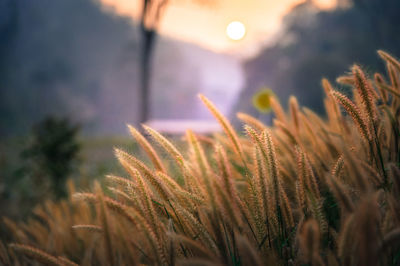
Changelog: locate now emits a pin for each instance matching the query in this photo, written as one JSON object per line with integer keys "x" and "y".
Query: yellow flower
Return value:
{"x": 262, "y": 100}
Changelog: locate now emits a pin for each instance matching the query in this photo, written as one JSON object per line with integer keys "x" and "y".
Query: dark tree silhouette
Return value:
{"x": 152, "y": 11}
{"x": 53, "y": 152}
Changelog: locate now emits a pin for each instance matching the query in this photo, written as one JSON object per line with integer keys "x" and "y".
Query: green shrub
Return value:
{"x": 52, "y": 153}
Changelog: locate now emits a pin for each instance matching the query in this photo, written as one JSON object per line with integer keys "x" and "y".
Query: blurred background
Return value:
{"x": 73, "y": 73}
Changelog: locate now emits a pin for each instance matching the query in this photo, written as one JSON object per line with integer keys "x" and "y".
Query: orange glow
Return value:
{"x": 206, "y": 25}
{"x": 325, "y": 4}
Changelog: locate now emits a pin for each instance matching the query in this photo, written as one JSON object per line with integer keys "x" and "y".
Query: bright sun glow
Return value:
{"x": 326, "y": 4}
{"x": 236, "y": 30}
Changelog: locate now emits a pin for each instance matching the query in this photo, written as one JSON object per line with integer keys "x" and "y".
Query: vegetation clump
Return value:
{"x": 306, "y": 191}
{"x": 52, "y": 153}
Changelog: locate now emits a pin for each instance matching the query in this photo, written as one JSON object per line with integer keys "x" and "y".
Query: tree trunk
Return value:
{"x": 148, "y": 38}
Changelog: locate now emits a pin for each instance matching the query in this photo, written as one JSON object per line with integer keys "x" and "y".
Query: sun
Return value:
{"x": 235, "y": 30}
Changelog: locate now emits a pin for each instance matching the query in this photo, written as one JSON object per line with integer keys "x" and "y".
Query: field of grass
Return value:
{"x": 306, "y": 191}
{"x": 96, "y": 159}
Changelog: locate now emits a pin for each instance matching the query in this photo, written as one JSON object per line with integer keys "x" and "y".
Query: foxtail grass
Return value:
{"x": 308, "y": 190}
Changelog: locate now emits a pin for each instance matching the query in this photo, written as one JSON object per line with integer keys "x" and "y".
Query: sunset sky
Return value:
{"x": 206, "y": 25}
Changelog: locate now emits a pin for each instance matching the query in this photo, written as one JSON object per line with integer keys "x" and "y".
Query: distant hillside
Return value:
{"x": 74, "y": 58}
{"x": 319, "y": 44}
